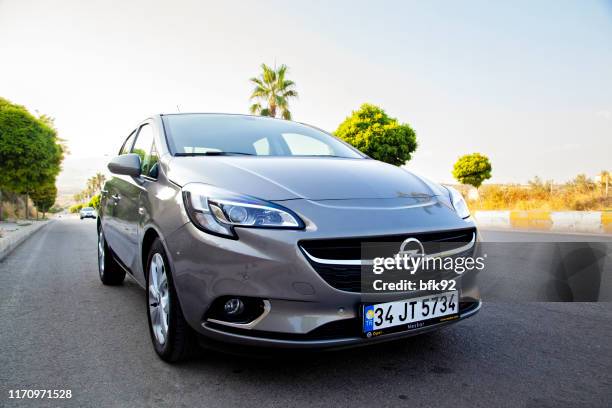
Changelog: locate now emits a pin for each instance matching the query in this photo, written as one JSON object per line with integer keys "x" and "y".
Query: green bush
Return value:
{"x": 75, "y": 208}
{"x": 381, "y": 137}
{"x": 94, "y": 202}
{"x": 30, "y": 151}
{"x": 472, "y": 169}
{"x": 44, "y": 197}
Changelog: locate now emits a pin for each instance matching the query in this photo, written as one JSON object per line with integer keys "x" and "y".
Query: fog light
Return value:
{"x": 233, "y": 307}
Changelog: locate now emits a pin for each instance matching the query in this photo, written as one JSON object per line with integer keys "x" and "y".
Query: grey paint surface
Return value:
{"x": 127, "y": 164}
{"x": 284, "y": 178}
{"x": 61, "y": 328}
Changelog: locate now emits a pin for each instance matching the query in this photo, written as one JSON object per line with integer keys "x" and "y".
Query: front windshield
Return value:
{"x": 212, "y": 134}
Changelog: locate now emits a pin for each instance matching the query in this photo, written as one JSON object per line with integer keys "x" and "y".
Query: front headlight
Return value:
{"x": 218, "y": 211}
{"x": 458, "y": 202}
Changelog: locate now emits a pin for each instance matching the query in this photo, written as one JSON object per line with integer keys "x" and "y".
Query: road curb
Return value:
{"x": 10, "y": 242}
{"x": 560, "y": 221}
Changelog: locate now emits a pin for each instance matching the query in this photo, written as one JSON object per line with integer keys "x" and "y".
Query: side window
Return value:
{"x": 153, "y": 163}
{"x": 143, "y": 146}
{"x": 262, "y": 147}
{"x": 302, "y": 145}
{"x": 127, "y": 145}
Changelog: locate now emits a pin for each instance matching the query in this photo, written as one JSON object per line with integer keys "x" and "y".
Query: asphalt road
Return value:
{"x": 61, "y": 329}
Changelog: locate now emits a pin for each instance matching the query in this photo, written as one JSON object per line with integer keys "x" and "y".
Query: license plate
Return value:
{"x": 410, "y": 313}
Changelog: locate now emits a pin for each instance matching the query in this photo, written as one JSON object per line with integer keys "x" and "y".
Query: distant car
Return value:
{"x": 87, "y": 212}
{"x": 248, "y": 231}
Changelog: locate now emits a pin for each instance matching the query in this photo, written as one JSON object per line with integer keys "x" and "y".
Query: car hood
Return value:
{"x": 313, "y": 178}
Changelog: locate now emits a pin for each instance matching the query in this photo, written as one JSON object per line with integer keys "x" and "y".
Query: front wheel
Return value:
{"x": 109, "y": 270}
{"x": 171, "y": 335}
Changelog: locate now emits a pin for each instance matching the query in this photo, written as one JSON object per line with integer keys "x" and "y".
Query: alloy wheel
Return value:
{"x": 159, "y": 298}
{"x": 101, "y": 252}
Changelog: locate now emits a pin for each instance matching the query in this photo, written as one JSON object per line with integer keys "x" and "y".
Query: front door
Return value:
{"x": 112, "y": 209}
{"x": 128, "y": 190}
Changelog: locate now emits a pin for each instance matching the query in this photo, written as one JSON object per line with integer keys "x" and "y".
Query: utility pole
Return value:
{"x": 604, "y": 179}
{"x": 551, "y": 186}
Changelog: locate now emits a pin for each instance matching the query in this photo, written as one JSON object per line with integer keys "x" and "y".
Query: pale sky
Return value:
{"x": 527, "y": 83}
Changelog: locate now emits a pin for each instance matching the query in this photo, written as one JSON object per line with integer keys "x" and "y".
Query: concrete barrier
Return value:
{"x": 13, "y": 239}
{"x": 580, "y": 221}
{"x": 606, "y": 220}
{"x": 562, "y": 221}
{"x": 496, "y": 219}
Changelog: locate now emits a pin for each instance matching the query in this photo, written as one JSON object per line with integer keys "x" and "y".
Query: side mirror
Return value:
{"x": 126, "y": 164}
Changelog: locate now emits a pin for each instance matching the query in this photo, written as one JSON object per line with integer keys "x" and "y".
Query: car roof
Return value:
{"x": 224, "y": 114}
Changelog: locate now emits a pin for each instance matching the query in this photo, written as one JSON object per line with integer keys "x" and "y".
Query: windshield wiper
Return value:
{"x": 214, "y": 154}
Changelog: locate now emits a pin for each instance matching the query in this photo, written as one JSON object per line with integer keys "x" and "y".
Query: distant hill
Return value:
{"x": 74, "y": 175}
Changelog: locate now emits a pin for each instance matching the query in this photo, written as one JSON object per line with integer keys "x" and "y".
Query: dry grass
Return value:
{"x": 13, "y": 207}
{"x": 542, "y": 196}
{"x": 9, "y": 210}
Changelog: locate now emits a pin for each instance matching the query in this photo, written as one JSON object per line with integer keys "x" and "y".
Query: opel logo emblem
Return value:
{"x": 411, "y": 247}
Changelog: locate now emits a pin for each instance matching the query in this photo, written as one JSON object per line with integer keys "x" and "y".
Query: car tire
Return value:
{"x": 173, "y": 339}
{"x": 110, "y": 272}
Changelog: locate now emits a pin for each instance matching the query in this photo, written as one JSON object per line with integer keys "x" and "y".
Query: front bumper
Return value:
{"x": 305, "y": 310}
{"x": 348, "y": 338}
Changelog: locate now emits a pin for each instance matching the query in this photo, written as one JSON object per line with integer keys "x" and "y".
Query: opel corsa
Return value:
{"x": 247, "y": 231}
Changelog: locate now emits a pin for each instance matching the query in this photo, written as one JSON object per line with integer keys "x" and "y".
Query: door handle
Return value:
{"x": 116, "y": 197}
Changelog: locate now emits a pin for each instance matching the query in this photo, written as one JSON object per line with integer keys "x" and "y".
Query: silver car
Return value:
{"x": 248, "y": 231}
{"x": 87, "y": 212}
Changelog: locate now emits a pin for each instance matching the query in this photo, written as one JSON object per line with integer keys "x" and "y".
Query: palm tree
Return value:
{"x": 100, "y": 179}
{"x": 274, "y": 91}
{"x": 90, "y": 187}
